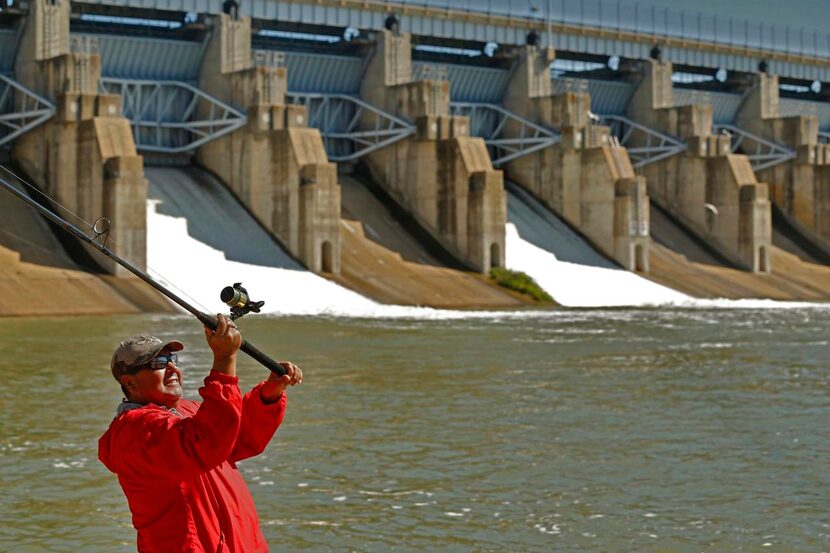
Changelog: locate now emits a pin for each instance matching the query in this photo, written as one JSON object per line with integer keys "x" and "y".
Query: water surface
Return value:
{"x": 603, "y": 430}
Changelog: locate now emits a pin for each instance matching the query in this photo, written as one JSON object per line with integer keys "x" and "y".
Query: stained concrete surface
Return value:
{"x": 680, "y": 261}
{"x": 38, "y": 277}
{"x": 384, "y": 261}
{"x": 667, "y": 232}
{"x": 792, "y": 279}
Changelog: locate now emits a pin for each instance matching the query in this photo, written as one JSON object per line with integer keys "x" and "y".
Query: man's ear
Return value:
{"x": 128, "y": 383}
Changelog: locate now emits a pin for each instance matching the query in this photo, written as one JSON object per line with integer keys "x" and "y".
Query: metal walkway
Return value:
{"x": 589, "y": 26}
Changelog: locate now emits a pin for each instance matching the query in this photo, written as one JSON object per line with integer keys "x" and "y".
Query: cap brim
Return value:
{"x": 173, "y": 345}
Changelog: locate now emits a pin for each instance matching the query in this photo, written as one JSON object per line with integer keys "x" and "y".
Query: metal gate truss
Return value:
{"x": 21, "y": 110}
{"x": 762, "y": 153}
{"x": 644, "y": 145}
{"x": 507, "y": 135}
{"x": 172, "y": 116}
{"x": 350, "y": 127}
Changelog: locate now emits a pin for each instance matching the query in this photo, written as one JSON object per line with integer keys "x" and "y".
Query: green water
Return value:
{"x": 671, "y": 430}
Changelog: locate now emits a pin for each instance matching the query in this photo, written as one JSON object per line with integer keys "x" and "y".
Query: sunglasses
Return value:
{"x": 158, "y": 362}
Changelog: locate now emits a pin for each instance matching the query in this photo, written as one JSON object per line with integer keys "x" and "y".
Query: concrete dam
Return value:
{"x": 397, "y": 162}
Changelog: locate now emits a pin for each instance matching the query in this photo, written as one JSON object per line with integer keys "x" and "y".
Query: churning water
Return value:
{"x": 598, "y": 430}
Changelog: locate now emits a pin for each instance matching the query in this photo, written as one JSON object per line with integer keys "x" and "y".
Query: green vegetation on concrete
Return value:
{"x": 519, "y": 282}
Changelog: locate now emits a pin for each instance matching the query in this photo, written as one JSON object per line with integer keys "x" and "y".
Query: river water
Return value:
{"x": 593, "y": 430}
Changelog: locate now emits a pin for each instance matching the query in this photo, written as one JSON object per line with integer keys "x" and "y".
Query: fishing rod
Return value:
{"x": 235, "y": 296}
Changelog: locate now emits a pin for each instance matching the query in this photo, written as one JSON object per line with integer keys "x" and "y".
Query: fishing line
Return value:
{"x": 45, "y": 196}
{"x": 206, "y": 319}
{"x": 106, "y": 233}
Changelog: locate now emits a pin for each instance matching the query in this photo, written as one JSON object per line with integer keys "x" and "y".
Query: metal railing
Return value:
{"x": 350, "y": 127}
{"x": 644, "y": 145}
{"x": 762, "y": 153}
{"x": 648, "y": 19}
{"x": 21, "y": 110}
{"x": 172, "y": 116}
{"x": 507, "y": 135}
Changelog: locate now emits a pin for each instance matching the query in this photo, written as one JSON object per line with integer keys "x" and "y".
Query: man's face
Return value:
{"x": 160, "y": 386}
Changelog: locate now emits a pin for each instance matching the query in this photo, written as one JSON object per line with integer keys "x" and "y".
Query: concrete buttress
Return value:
{"x": 799, "y": 186}
{"x": 276, "y": 165}
{"x": 709, "y": 189}
{"x": 585, "y": 177}
{"x": 442, "y": 176}
{"x": 85, "y": 157}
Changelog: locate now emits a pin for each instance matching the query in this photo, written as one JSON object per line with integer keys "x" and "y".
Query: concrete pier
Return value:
{"x": 442, "y": 176}
{"x": 800, "y": 186}
{"x": 585, "y": 178}
{"x": 276, "y": 166}
{"x": 709, "y": 189}
{"x": 85, "y": 157}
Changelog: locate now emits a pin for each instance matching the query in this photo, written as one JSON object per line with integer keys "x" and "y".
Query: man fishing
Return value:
{"x": 176, "y": 458}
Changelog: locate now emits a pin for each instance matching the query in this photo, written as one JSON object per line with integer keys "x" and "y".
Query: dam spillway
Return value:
{"x": 199, "y": 240}
{"x": 284, "y": 121}
{"x": 563, "y": 263}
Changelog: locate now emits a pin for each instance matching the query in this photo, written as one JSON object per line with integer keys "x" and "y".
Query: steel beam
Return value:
{"x": 762, "y": 153}
{"x": 350, "y": 127}
{"x": 644, "y": 145}
{"x": 172, "y": 116}
{"x": 21, "y": 110}
{"x": 507, "y": 135}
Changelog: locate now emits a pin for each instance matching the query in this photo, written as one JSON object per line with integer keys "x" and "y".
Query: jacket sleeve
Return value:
{"x": 259, "y": 422}
{"x": 171, "y": 447}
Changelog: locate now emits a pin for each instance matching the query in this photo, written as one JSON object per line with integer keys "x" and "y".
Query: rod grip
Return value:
{"x": 211, "y": 322}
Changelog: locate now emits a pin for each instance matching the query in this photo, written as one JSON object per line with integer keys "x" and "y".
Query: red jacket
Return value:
{"x": 179, "y": 473}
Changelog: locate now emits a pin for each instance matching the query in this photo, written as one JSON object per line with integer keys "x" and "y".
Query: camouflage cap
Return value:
{"x": 137, "y": 351}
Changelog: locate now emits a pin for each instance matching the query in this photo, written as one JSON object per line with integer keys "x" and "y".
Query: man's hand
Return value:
{"x": 276, "y": 385}
{"x": 224, "y": 342}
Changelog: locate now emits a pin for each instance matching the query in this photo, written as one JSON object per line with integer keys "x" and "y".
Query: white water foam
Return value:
{"x": 198, "y": 272}
{"x": 576, "y": 285}
{"x": 184, "y": 264}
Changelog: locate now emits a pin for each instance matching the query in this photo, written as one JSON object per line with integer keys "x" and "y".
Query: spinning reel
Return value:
{"x": 240, "y": 303}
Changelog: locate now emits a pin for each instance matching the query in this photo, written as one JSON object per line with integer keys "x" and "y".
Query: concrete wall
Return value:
{"x": 712, "y": 191}
{"x": 584, "y": 178}
{"x": 84, "y": 157}
{"x": 276, "y": 166}
{"x": 442, "y": 176}
{"x": 799, "y": 186}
